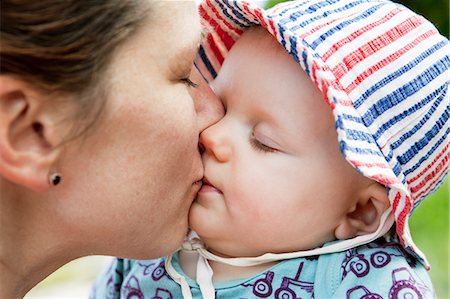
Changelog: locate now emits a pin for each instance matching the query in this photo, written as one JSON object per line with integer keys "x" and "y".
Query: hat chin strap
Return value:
{"x": 205, "y": 273}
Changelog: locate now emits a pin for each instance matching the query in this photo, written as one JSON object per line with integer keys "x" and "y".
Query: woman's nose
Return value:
{"x": 215, "y": 142}
{"x": 208, "y": 106}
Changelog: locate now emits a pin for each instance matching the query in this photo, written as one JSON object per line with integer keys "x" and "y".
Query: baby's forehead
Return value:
{"x": 260, "y": 38}
{"x": 257, "y": 45}
{"x": 255, "y": 56}
{"x": 260, "y": 79}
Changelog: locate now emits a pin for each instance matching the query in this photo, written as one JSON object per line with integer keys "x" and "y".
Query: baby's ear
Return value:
{"x": 364, "y": 216}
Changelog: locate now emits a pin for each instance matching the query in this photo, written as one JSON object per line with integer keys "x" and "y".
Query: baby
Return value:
{"x": 336, "y": 127}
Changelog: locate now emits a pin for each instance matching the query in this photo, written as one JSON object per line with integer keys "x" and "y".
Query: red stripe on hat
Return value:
{"x": 255, "y": 13}
{"x": 381, "y": 41}
{"x": 246, "y": 6}
{"x": 345, "y": 103}
{"x": 325, "y": 86}
{"x": 214, "y": 49}
{"x": 396, "y": 201}
{"x": 362, "y": 164}
{"x": 220, "y": 17}
{"x": 274, "y": 30}
{"x": 387, "y": 60}
{"x": 260, "y": 16}
{"x": 431, "y": 164}
{"x": 400, "y": 226}
{"x": 433, "y": 182}
{"x": 385, "y": 180}
{"x": 313, "y": 30}
{"x": 323, "y": 83}
{"x": 359, "y": 32}
{"x": 314, "y": 69}
{"x": 331, "y": 103}
{"x": 226, "y": 39}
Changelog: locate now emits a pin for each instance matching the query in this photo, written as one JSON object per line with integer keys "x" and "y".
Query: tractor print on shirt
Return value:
{"x": 290, "y": 288}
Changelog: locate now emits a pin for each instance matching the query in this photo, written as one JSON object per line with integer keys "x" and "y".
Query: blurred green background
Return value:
{"x": 430, "y": 230}
{"x": 430, "y": 222}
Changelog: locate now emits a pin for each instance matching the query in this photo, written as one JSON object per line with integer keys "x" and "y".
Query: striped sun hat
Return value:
{"x": 382, "y": 69}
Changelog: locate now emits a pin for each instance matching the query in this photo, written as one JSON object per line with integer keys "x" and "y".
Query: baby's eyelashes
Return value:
{"x": 263, "y": 143}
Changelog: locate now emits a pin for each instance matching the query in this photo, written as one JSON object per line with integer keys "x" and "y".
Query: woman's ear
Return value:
{"x": 27, "y": 140}
{"x": 364, "y": 216}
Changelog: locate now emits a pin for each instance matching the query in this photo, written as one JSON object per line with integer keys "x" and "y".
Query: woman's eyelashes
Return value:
{"x": 189, "y": 82}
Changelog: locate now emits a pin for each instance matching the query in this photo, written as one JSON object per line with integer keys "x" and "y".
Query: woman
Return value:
{"x": 98, "y": 132}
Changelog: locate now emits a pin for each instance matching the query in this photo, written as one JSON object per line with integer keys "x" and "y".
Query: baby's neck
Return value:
{"x": 222, "y": 272}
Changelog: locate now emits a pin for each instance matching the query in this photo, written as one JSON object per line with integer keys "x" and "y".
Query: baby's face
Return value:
{"x": 277, "y": 180}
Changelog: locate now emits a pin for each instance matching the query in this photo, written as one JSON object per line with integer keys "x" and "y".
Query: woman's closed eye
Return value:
{"x": 189, "y": 82}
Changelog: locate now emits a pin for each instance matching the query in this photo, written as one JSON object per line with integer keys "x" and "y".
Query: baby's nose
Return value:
{"x": 215, "y": 142}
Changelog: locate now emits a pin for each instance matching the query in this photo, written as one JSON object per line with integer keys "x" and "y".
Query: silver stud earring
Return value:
{"x": 55, "y": 178}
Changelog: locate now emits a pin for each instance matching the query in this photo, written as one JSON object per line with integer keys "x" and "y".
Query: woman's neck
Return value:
{"x": 29, "y": 251}
{"x": 222, "y": 272}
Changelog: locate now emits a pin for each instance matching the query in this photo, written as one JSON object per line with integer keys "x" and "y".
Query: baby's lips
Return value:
{"x": 208, "y": 186}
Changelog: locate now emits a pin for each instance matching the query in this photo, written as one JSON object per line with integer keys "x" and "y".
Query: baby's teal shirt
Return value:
{"x": 378, "y": 270}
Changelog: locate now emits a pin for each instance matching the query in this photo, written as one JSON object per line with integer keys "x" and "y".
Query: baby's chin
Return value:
{"x": 200, "y": 220}
{"x": 232, "y": 250}
{"x": 238, "y": 249}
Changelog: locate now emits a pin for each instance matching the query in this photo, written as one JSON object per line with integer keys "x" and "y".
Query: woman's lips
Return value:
{"x": 199, "y": 183}
{"x": 208, "y": 187}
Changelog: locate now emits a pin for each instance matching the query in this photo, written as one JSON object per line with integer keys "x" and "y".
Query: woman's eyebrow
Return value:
{"x": 196, "y": 44}
{"x": 189, "y": 50}
{"x": 204, "y": 33}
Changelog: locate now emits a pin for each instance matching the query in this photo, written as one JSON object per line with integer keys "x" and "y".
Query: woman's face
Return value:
{"x": 129, "y": 183}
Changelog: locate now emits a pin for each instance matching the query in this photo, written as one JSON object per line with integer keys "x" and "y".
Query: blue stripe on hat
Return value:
{"x": 314, "y": 8}
{"x": 359, "y": 135}
{"x": 397, "y": 169}
{"x": 430, "y": 152}
{"x": 237, "y": 15}
{"x": 205, "y": 59}
{"x": 358, "y": 150}
{"x": 305, "y": 63}
{"x": 342, "y": 25}
{"x": 437, "y": 185}
{"x": 438, "y": 94}
{"x": 237, "y": 10}
{"x": 390, "y": 155}
{"x": 352, "y": 118}
{"x": 284, "y": 11}
{"x": 415, "y": 205}
{"x": 237, "y": 7}
{"x": 404, "y": 92}
{"x": 420, "y": 144}
{"x": 311, "y": 9}
{"x": 293, "y": 50}
{"x": 281, "y": 30}
{"x": 388, "y": 79}
{"x": 442, "y": 119}
{"x": 418, "y": 201}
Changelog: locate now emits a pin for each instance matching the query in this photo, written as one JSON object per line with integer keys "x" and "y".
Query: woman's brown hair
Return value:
{"x": 63, "y": 46}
